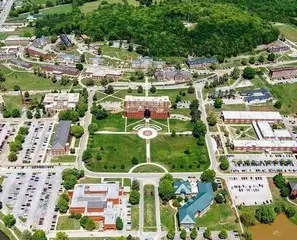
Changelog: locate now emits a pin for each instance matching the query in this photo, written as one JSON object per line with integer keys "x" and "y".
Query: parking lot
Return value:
{"x": 32, "y": 197}
{"x": 7, "y": 133}
{"x": 249, "y": 190}
{"x": 36, "y": 142}
{"x": 284, "y": 162}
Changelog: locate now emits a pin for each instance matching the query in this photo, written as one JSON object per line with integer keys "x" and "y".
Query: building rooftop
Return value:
{"x": 265, "y": 129}
{"x": 52, "y": 97}
{"x": 282, "y": 133}
{"x": 257, "y": 94}
{"x": 145, "y": 99}
{"x": 265, "y": 143}
{"x": 202, "y": 60}
{"x": 37, "y": 49}
{"x": 182, "y": 187}
{"x": 60, "y": 138}
{"x": 252, "y": 115}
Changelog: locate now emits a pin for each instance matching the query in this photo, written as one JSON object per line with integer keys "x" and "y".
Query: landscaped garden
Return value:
{"x": 149, "y": 224}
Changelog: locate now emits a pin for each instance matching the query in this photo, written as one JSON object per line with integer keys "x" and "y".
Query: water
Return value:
{"x": 281, "y": 229}
{"x": 3, "y": 236}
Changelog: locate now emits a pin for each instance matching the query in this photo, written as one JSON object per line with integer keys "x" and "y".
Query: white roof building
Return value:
{"x": 60, "y": 101}
{"x": 252, "y": 115}
{"x": 266, "y": 130}
{"x": 145, "y": 99}
{"x": 265, "y": 143}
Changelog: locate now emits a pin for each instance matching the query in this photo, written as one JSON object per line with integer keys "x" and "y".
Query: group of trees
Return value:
{"x": 166, "y": 189}
{"x": 224, "y": 163}
{"x": 249, "y": 73}
{"x": 77, "y": 131}
{"x": 216, "y": 81}
{"x": 281, "y": 183}
{"x": 134, "y": 196}
{"x": 70, "y": 177}
{"x": 17, "y": 144}
{"x": 15, "y": 113}
{"x": 87, "y": 223}
{"x": 195, "y": 112}
{"x": 63, "y": 202}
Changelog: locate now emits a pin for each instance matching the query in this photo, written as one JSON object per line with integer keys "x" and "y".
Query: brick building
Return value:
{"x": 101, "y": 202}
{"x": 250, "y": 116}
{"x": 17, "y": 40}
{"x": 71, "y": 71}
{"x": 283, "y": 73}
{"x": 37, "y": 53}
{"x": 61, "y": 139}
{"x": 175, "y": 75}
{"x": 149, "y": 107}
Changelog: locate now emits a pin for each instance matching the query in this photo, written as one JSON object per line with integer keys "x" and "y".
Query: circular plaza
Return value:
{"x": 147, "y": 133}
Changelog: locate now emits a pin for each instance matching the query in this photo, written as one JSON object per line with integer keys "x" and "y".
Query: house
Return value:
{"x": 100, "y": 202}
{"x": 256, "y": 96}
{"x": 283, "y": 73}
{"x": 54, "y": 102}
{"x": 66, "y": 40}
{"x": 196, "y": 206}
{"x": 173, "y": 75}
{"x": 182, "y": 188}
{"x": 293, "y": 187}
{"x": 60, "y": 144}
{"x": 200, "y": 62}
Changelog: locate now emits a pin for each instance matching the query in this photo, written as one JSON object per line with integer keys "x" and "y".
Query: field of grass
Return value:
{"x": 66, "y": 223}
{"x": 149, "y": 223}
{"x": 65, "y": 8}
{"x": 135, "y": 217}
{"x": 91, "y": 6}
{"x": 127, "y": 182}
{"x": 172, "y": 93}
{"x": 167, "y": 215}
{"x": 4, "y": 69}
{"x": 122, "y": 54}
{"x": 114, "y": 123}
{"x": 22, "y": 31}
{"x": 123, "y": 93}
{"x": 218, "y": 217}
{"x": 288, "y": 31}
{"x": 116, "y": 152}
{"x": 179, "y": 125}
{"x": 15, "y": 101}
{"x": 148, "y": 169}
{"x": 76, "y": 143}
{"x": 171, "y": 152}
{"x": 29, "y": 81}
{"x": 89, "y": 180}
{"x": 64, "y": 159}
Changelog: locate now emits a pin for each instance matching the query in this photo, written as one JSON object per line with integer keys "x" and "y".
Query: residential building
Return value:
{"x": 147, "y": 62}
{"x": 196, "y": 206}
{"x": 21, "y": 64}
{"x": 293, "y": 187}
{"x": 54, "y": 102}
{"x": 61, "y": 139}
{"x": 250, "y": 116}
{"x": 37, "y": 53}
{"x": 264, "y": 145}
{"x": 63, "y": 70}
{"x": 66, "y": 40}
{"x": 200, "y": 62}
{"x": 283, "y": 73}
{"x": 147, "y": 107}
{"x": 173, "y": 75}
{"x": 100, "y": 202}
{"x": 256, "y": 96}
{"x": 17, "y": 40}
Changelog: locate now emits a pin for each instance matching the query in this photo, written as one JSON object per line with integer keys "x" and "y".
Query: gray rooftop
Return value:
{"x": 61, "y": 135}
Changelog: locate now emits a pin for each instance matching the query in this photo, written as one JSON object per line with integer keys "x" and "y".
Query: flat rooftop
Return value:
{"x": 252, "y": 115}
{"x": 265, "y": 143}
{"x": 147, "y": 99}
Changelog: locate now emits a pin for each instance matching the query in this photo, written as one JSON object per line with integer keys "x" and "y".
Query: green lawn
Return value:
{"x": 89, "y": 180}
{"x": 64, "y": 159}
{"x": 123, "y": 93}
{"x": 66, "y": 223}
{"x": 170, "y": 152}
{"x": 22, "y": 31}
{"x": 289, "y": 31}
{"x": 218, "y": 217}
{"x": 4, "y": 70}
{"x": 179, "y": 125}
{"x": 3, "y": 36}
{"x": 119, "y": 180}
{"x": 182, "y": 111}
{"x": 76, "y": 143}
{"x": 172, "y": 93}
{"x": 149, "y": 223}
{"x": 29, "y": 81}
{"x": 167, "y": 217}
{"x": 122, "y": 54}
{"x": 135, "y": 217}
{"x": 113, "y": 123}
{"x": 116, "y": 152}
{"x": 148, "y": 169}
{"x": 15, "y": 101}
{"x": 127, "y": 182}
{"x": 65, "y": 8}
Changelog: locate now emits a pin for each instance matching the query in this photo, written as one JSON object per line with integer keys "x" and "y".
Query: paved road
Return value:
{"x": 4, "y": 13}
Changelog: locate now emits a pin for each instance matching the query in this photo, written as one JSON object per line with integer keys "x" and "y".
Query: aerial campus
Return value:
{"x": 141, "y": 119}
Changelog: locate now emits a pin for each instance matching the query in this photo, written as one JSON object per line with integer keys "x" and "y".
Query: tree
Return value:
{"x": 27, "y": 235}
{"x": 249, "y": 73}
{"x": 92, "y": 128}
{"x": 29, "y": 114}
{"x": 77, "y": 131}
{"x": 285, "y": 191}
{"x": 235, "y": 73}
{"x": 37, "y": 114}
{"x": 39, "y": 235}
{"x": 265, "y": 214}
{"x": 119, "y": 223}
{"x": 191, "y": 90}
{"x": 271, "y": 57}
{"x": 153, "y": 89}
{"x": 135, "y": 185}
{"x": 2, "y": 77}
{"x": 87, "y": 155}
{"x": 69, "y": 182}
{"x": 183, "y": 234}
{"x": 130, "y": 48}
{"x": 9, "y": 220}
{"x": 247, "y": 236}
{"x": 170, "y": 235}
{"x": 12, "y": 157}
{"x": 218, "y": 103}
{"x": 134, "y": 160}
{"x": 166, "y": 189}
{"x": 173, "y": 133}
{"x": 79, "y": 66}
{"x": 208, "y": 175}
{"x": 212, "y": 119}
{"x": 247, "y": 218}
{"x": 290, "y": 211}
{"x": 261, "y": 59}
{"x": 224, "y": 165}
{"x": 109, "y": 90}
{"x": 62, "y": 204}
{"x": 140, "y": 89}
{"x": 193, "y": 233}
{"x": 252, "y": 60}
{"x": 26, "y": 94}
{"x": 278, "y": 104}
{"x": 199, "y": 129}
{"x": 101, "y": 114}
{"x": 219, "y": 198}
{"x": 87, "y": 223}
{"x": 279, "y": 181}
{"x": 134, "y": 197}
{"x": 15, "y": 113}
{"x": 61, "y": 236}
{"x": 223, "y": 234}
{"x": 207, "y": 234}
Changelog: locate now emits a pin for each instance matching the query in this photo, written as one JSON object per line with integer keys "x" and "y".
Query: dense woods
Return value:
{"x": 212, "y": 29}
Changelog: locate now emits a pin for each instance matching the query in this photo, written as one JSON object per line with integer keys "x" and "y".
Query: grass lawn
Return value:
{"x": 123, "y": 93}
{"x": 182, "y": 111}
{"x": 65, "y": 8}
{"x": 127, "y": 182}
{"x": 135, "y": 217}
{"x": 15, "y": 101}
{"x": 22, "y": 31}
{"x": 66, "y": 223}
{"x": 114, "y": 123}
{"x": 229, "y": 107}
{"x": 289, "y": 31}
{"x": 218, "y": 217}
{"x": 2, "y": 178}
{"x": 179, "y": 125}
{"x": 64, "y": 159}
{"x": 149, "y": 223}
{"x": 167, "y": 217}
{"x": 172, "y": 93}
{"x": 116, "y": 152}
{"x": 91, "y": 6}
{"x": 4, "y": 69}
{"x": 29, "y": 81}
{"x": 148, "y": 169}
{"x": 119, "y": 180}
{"x": 170, "y": 152}
{"x": 122, "y": 54}
{"x": 3, "y": 36}
{"x": 76, "y": 143}
{"x": 89, "y": 180}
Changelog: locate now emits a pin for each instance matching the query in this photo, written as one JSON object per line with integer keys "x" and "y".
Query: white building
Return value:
{"x": 60, "y": 101}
